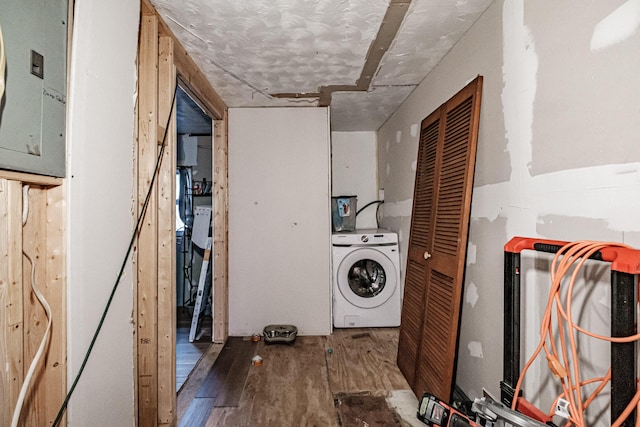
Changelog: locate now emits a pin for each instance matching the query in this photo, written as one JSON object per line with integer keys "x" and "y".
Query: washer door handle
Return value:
{"x": 427, "y": 255}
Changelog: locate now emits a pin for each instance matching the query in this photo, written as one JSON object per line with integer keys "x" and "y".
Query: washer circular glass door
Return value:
{"x": 366, "y": 278}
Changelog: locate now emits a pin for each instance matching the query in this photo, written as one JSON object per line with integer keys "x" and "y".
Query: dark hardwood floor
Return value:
{"x": 188, "y": 354}
{"x": 297, "y": 384}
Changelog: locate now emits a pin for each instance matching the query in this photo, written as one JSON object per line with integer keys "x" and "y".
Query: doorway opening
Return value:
{"x": 194, "y": 213}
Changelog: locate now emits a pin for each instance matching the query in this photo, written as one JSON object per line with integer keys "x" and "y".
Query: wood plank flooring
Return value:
{"x": 188, "y": 353}
{"x": 297, "y": 384}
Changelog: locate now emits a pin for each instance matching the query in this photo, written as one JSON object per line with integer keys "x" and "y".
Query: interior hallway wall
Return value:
{"x": 99, "y": 181}
{"x": 354, "y": 171}
{"x": 279, "y": 220}
{"x": 557, "y": 158}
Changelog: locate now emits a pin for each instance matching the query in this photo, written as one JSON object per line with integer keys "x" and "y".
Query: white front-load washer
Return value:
{"x": 366, "y": 279}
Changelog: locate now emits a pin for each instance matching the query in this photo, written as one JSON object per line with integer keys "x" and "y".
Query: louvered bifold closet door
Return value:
{"x": 423, "y": 204}
{"x": 443, "y": 248}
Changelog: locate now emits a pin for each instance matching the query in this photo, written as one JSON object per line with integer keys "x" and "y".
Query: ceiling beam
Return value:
{"x": 391, "y": 22}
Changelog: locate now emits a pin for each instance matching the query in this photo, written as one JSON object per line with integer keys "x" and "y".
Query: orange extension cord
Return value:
{"x": 575, "y": 253}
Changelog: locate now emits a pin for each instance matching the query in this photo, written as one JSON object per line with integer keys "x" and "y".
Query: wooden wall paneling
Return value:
{"x": 166, "y": 238}
{"x": 23, "y": 320}
{"x": 55, "y": 291}
{"x": 11, "y": 340}
{"x": 147, "y": 247}
{"x": 220, "y": 232}
{"x": 35, "y": 319}
{"x": 4, "y": 349}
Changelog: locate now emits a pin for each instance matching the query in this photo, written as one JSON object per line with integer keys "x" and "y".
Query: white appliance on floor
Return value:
{"x": 366, "y": 279}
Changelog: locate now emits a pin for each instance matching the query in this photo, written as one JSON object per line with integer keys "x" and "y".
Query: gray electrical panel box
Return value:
{"x": 33, "y": 108}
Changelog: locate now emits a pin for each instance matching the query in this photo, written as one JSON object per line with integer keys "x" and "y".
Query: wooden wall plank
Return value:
{"x": 166, "y": 239}
{"x": 35, "y": 319}
{"x": 220, "y": 232}
{"x": 146, "y": 251}
{"x": 55, "y": 290}
{"x": 11, "y": 338}
{"x": 4, "y": 350}
{"x": 23, "y": 320}
{"x": 29, "y": 178}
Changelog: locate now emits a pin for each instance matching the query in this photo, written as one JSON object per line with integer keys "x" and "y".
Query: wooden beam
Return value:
{"x": 11, "y": 313}
{"x": 147, "y": 248}
{"x": 166, "y": 239}
{"x": 5, "y": 408}
{"x": 220, "y": 232}
{"x": 35, "y": 319}
{"x": 29, "y": 178}
{"x": 387, "y": 32}
{"x": 197, "y": 84}
{"x": 56, "y": 293}
{"x": 156, "y": 254}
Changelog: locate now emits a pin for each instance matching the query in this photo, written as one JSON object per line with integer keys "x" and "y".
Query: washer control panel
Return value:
{"x": 364, "y": 237}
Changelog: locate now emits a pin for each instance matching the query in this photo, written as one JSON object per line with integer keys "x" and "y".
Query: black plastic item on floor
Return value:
{"x": 282, "y": 334}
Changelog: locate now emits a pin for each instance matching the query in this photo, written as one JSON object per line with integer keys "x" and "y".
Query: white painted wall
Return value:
{"x": 279, "y": 220}
{"x": 354, "y": 171}
{"x": 99, "y": 176}
{"x": 557, "y": 158}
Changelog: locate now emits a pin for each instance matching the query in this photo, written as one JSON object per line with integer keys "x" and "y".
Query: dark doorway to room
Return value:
{"x": 194, "y": 206}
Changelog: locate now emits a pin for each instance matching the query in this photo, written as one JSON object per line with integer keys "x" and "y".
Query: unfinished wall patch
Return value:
{"x": 621, "y": 24}
{"x": 414, "y": 130}
{"x": 519, "y": 86}
{"x": 471, "y": 253}
{"x": 398, "y": 209}
{"x": 475, "y": 349}
{"x": 471, "y": 294}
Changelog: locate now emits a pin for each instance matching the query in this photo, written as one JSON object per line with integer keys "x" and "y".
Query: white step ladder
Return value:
{"x": 200, "y": 293}
{"x": 200, "y": 237}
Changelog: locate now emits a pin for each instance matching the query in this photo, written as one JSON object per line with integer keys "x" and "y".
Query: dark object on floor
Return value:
{"x": 363, "y": 409}
{"x": 283, "y": 334}
{"x": 361, "y": 335}
{"x": 228, "y": 375}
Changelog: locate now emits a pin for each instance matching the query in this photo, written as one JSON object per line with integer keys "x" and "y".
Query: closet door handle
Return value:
{"x": 427, "y": 255}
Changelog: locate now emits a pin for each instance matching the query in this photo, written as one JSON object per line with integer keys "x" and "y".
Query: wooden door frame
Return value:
{"x": 162, "y": 64}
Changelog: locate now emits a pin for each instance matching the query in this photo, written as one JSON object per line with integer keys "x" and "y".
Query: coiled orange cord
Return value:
{"x": 566, "y": 366}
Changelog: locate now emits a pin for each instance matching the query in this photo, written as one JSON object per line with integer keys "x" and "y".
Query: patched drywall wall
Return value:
{"x": 592, "y": 68}
{"x": 102, "y": 86}
{"x": 279, "y": 220}
{"x": 354, "y": 171}
{"x": 536, "y": 173}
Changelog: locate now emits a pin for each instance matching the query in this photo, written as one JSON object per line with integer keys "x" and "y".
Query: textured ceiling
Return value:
{"x": 252, "y": 49}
